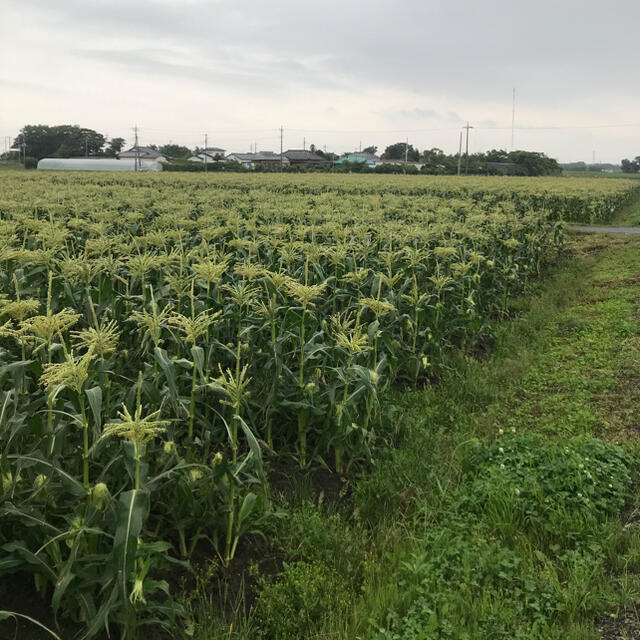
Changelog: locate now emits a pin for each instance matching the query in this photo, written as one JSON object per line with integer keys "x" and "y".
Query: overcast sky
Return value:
{"x": 333, "y": 72}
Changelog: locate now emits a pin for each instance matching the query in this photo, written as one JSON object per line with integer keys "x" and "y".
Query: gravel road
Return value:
{"x": 629, "y": 231}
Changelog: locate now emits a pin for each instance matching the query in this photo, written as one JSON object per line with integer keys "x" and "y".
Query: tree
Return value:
{"x": 60, "y": 141}
{"x": 114, "y": 147}
{"x": 534, "y": 163}
{"x": 399, "y": 151}
{"x": 631, "y": 166}
{"x": 497, "y": 155}
{"x": 327, "y": 155}
{"x": 435, "y": 161}
{"x": 175, "y": 151}
{"x": 372, "y": 150}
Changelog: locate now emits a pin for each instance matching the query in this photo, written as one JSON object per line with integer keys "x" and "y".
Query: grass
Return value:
{"x": 436, "y": 542}
{"x": 11, "y": 165}
{"x": 628, "y": 216}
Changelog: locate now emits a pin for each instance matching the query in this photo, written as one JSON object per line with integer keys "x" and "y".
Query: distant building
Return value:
{"x": 262, "y": 159}
{"x": 211, "y": 154}
{"x": 304, "y": 157}
{"x": 360, "y": 157}
{"x": 97, "y": 164}
{"x": 144, "y": 153}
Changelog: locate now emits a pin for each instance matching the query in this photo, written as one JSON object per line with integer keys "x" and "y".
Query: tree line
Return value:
{"x": 631, "y": 166}
{"x": 68, "y": 141}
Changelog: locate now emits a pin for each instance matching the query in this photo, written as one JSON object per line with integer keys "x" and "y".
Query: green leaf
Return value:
{"x": 131, "y": 512}
{"x": 197, "y": 353}
{"x": 95, "y": 402}
{"x": 168, "y": 368}
{"x": 5, "y": 615}
{"x": 247, "y": 507}
{"x": 254, "y": 447}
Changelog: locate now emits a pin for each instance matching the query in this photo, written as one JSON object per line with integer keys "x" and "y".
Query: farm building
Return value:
{"x": 263, "y": 159}
{"x": 360, "y": 156}
{"x": 302, "y": 156}
{"x": 211, "y": 154}
{"x": 97, "y": 164}
{"x": 144, "y": 153}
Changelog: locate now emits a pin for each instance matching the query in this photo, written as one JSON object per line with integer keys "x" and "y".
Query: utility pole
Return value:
{"x": 406, "y": 151}
{"x": 460, "y": 153}
{"x": 137, "y": 150}
{"x": 466, "y": 153}
{"x": 304, "y": 143}
{"x": 86, "y": 147}
{"x": 206, "y": 144}
{"x": 513, "y": 120}
{"x": 281, "y": 135}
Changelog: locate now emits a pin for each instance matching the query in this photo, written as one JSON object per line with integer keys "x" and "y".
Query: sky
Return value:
{"x": 335, "y": 73}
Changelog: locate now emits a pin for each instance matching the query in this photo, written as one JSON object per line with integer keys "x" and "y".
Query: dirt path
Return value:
{"x": 630, "y": 231}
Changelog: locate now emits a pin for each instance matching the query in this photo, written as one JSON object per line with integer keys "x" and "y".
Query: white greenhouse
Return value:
{"x": 97, "y": 164}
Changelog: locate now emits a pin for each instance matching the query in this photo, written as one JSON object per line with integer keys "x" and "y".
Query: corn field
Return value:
{"x": 164, "y": 338}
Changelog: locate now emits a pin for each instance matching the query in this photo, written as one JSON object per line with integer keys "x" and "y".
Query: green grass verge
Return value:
{"x": 501, "y": 504}
{"x": 628, "y": 216}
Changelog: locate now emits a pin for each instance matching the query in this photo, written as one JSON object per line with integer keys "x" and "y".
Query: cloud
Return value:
{"x": 365, "y": 64}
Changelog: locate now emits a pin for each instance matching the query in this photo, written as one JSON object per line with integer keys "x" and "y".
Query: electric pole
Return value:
{"x": 304, "y": 143}
{"x": 513, "y": 119}
{"x": 460, "y": 153}
{"x": 206, "y": 142}
{"x": 136, "y": 163}
{"x": 281, "y": 135}
{"x": 466, "y": 153}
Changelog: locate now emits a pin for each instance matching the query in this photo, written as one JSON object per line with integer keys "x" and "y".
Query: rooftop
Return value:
{"x": 259, "y": 156}
{"x": 302, "y": 154}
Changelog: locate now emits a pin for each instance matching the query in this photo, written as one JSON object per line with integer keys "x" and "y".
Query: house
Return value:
{"x": 262, "y": 159}
{"x": 303, "y": 157}
{"x": 210, "y": 154}
{"x": 361, "y": 157}
{"x": 144, "y": 153}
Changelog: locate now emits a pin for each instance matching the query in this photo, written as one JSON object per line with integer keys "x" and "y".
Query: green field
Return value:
{"x": 252, "y": 406}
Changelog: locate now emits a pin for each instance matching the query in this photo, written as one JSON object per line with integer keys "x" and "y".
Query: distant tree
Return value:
{"x": 372, "y": 150}
{"x": 60, "y": 141}
{"x": 574, "y": 166}
{"x": 496, "y": 155}
{"x": 534, "y": 163}
{"x": 114, "y": 147}
{"x": 327, "y": 155}
{"x": 175, "y": 151}
{"x": 435, "y": 161}
{"x": 631, "y": 166}
{"x": 398, "y": 150}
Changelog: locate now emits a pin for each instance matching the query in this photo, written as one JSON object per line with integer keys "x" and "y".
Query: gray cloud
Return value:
{"x": 370, "y": 63}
